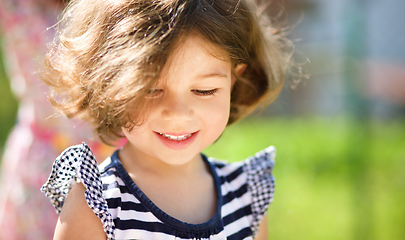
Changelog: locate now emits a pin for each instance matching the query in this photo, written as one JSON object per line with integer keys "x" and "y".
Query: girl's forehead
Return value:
{"x": 190, "y": 44}
{"x": 196, "y": 57}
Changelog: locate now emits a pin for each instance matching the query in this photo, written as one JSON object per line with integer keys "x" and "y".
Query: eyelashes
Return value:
{"x": 155, "y": 92}
{"x": 205, "y": 92}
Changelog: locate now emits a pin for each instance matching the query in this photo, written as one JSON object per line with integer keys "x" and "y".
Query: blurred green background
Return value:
{"x": 8, "y": 105}
{"x": 340, "y": 135}
{"x": 335, "y": 178}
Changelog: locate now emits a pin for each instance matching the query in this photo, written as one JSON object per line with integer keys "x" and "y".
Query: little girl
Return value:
{"x": 168, "y": 76}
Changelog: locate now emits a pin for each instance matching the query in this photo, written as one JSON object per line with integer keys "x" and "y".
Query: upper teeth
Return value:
{"x": 177, "y": 138}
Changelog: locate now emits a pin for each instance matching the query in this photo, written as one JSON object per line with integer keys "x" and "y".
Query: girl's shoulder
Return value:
{"x": 77, "y": 164}
{"x": 254, "y": 176}
{"x": 76, "y": 220}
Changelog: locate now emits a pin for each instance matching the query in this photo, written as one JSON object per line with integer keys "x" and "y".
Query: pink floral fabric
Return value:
{"x": 37, "y": 139}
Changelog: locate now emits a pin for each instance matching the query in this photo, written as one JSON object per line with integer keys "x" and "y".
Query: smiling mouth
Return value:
{"x": 176, "y": 138}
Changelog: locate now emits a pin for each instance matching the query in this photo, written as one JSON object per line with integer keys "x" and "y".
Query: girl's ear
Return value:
{"x": 239, "y": 69}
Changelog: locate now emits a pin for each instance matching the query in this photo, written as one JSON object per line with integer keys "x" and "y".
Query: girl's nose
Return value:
{"x": 176, "y": 108}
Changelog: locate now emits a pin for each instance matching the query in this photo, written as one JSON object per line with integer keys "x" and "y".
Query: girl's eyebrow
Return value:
{"x": 212, "y": 75}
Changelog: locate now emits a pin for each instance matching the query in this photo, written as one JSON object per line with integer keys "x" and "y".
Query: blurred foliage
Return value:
{"x": 336, "y": 178}
{"x": 8, "y": 104}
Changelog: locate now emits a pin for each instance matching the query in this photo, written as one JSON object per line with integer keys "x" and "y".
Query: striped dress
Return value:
{"x": 244, "y": 191}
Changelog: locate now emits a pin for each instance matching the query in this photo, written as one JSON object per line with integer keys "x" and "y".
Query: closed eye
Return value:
{"x": 154, "y": 92}
{"x": 205, "y": 92}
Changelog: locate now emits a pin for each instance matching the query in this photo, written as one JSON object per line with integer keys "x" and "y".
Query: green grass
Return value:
{"x": 336, "y": 179}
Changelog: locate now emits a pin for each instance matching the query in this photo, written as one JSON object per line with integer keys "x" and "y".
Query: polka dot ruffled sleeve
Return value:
{"x": 261, "y": 183}
{"x": 77, "y": 164}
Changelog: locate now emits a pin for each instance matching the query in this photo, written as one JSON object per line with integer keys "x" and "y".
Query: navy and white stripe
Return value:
{"x": 244, "y": 191}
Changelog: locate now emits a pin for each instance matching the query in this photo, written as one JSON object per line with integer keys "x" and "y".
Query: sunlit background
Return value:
{"x": 340, "y": 135}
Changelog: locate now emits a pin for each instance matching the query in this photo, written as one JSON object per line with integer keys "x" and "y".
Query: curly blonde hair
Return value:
{"x": 108, "y": 54}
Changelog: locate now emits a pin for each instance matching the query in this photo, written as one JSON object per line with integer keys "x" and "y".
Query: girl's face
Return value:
{"x": 189, "y": 107}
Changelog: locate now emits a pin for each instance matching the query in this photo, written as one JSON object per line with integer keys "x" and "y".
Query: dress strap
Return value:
{"x": 77, "y": 164}
{"x": 261, "y": 183}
